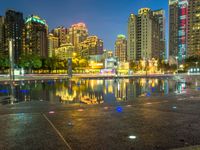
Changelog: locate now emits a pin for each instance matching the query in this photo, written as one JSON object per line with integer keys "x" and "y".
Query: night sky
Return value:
{"x": 104, "y": 18}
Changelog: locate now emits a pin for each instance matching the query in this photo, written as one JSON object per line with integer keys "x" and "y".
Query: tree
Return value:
{"x": 50, "y": 63}
{"x": 30, "y": 61}
{"x": 4, "y": 62}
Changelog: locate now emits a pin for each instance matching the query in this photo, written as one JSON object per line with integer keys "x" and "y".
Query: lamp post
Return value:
{"x": 12, "y": 74}
{"x": 11, "y": 58}
{"x": 196, "y": 66}
{"x": 177, "y": 64}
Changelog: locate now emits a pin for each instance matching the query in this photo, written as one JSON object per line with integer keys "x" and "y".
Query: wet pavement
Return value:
{"x": 155, "y": 123}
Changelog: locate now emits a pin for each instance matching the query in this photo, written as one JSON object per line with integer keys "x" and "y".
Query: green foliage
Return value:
{"x": 30, "y": 61}
{"x": 193, "y": 61}
{"x": 4, "y": 62}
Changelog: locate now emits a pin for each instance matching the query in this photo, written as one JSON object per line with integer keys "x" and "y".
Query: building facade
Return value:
{"x": 61, "y": 33}
{"x": 14, "y": 28}
{"x": 173, "y": 28}
{"x": 36, "y": 36}
{"x": 132, "y": 37}
{"x": 2, "y": 35}
{"x": 53, "y": 43}
{"x": 194, "y": 28}
{"x": 146, "y": 35}
{"x": 178, "y": 29}
{"x": 91, "y": 46}
{"x": 160, "y": 17}
{"x": 77, "y": 34}
{"x": 65, "y": 51}
{"x": 121, "y": 48}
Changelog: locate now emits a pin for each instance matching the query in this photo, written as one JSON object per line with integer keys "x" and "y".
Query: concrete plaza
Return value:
{"x": 146, "y": 124}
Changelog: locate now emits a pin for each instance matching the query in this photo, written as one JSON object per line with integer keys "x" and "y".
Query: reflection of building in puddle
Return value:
{"x": 120, "y": 90}
{"x": 180, "y": 87}
{"x": 66, "y": 96}
{"x": 147, "y": 87}
{"x": 88, "y": 100}
{"x": 81, "y": 91}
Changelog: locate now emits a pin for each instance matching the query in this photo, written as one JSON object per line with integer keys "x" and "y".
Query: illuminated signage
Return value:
{"x": 36, "y": 19}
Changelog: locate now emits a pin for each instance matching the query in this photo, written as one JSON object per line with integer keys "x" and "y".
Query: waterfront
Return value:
{"x": 135, "y": 113}
{"x": 95, "y": 91}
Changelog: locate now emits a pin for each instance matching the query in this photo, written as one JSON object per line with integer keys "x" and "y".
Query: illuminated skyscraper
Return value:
{"x": 14, "y": 27}
{"x": 194, "y": 28}
{"x": 53, "y": 43}
{"x": 36, "y": 36}
{"x": 65, "y": 51}
{"x": 146, "y": 35}
{"x": 61, "y": 33}
{"x": 78, "y": 33}
{"x": 132, "y": 39}
{"x": 91, "y": 46}
{"x": 178, "y": 29}
{"x": 121, "y": 48}
{"x": 2, "y": 35}
{"x": 160, "y": 17}
{"x": 173, "y": 28}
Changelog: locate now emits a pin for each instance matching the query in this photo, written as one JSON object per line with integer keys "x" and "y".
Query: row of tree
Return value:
{"x": 34, "y": 63}
{"x": 164, "y": 66}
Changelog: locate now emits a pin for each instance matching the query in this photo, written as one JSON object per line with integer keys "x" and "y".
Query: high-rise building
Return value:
{"x": 146, "y": 35}
{"x": 91, "y": 46}
{"x": 36, "y": 36}
{"x": 160, "y": 17}
{"x": 65, "y": 51}
{"x": 132, "y": 37}
{"x": 2, "y": 35}
{"x": 14, "y": 27}
{"x": 53, "y": 43}
{"x": 78, "y": 33}
{"x": 61, "y": 33}
{"x": 107, "y": 54}
{"x": 194, "y": 28}
{"x": 121, "y": 48}
{"x": 173, "y": 28}
{"x": 178, "y": 29}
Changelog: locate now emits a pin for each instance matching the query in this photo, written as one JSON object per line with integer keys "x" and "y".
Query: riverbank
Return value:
{"x": 6, "y": 78}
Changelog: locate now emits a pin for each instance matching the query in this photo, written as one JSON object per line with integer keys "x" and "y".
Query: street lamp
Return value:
{"x": 196, "y": 64}
{"x": 177, "y": 64}
{"x": 11, "y": 57}
{"x": 12, "y": 74}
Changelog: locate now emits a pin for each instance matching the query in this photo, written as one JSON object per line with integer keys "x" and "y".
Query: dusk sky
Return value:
{"x": 104, "y": 18}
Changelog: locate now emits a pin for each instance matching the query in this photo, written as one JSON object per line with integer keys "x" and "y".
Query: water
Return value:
{"x": 93, "y": 91}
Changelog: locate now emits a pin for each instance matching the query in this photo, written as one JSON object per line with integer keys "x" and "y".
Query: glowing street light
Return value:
{"x": 177, "y": 64}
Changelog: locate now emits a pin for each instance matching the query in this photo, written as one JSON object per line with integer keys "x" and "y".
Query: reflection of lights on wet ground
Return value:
{"x": 4, "y": 91}
{"x": 132, "y": 137}
{"x": 119, "y": 109}
{"x": 70, "y": 124}
{"x": 128, "y": 105}
{"x": 106, "y": 108}
{"x": 149, "y": 103}
{"x": 148, "y": 94}
{"x": 24, "y": 91}
{"x": 52, "y": 112}
{"x": 174, "y": 107}
{"x": 80, "y": 110}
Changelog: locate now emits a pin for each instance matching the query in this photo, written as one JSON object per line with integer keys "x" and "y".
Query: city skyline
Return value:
{"x": 94, "y": 14}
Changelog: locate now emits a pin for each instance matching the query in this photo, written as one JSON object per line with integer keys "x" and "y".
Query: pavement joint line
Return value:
{"x": 57, "y": 131}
